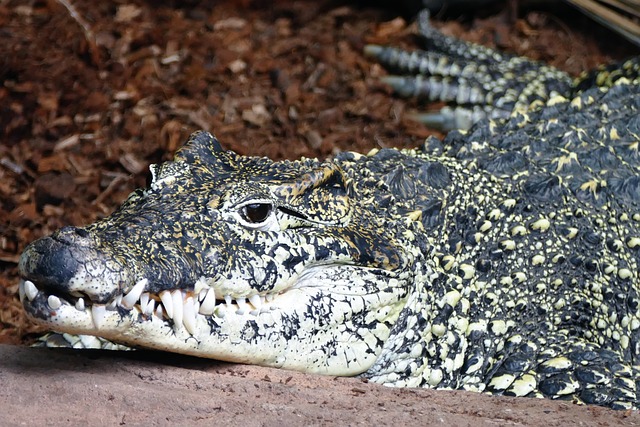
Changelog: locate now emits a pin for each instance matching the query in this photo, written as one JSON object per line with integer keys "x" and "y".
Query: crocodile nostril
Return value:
{"x": 82, "y": 232}
{"x": 71, "y": 235}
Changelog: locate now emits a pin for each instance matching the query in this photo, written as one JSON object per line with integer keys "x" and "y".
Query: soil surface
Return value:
{"x": 91, "y": 93}
{"x": 68, "y": 388}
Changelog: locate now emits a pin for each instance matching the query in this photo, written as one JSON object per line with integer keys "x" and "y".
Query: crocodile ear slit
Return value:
{"x": 321, "y": 194}
{"x": 328, "y": 175}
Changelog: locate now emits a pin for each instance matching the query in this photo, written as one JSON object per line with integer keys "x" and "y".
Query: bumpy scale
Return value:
{"x": 503, "y": 259}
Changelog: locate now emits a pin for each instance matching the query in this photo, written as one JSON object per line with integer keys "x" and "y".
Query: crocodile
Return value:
{"x": 501, "y": 259}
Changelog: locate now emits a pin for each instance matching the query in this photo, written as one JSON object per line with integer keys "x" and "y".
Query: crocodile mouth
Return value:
{"x": 181, "y": 307}
{"x": 329, "y": 320}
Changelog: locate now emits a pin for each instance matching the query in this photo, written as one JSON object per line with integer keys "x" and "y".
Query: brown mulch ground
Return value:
{"x": 90, "y": 96}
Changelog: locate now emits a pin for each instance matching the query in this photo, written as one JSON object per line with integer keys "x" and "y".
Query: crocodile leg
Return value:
{"x": 608, "y": 75}
{"x": 475, "y": 81}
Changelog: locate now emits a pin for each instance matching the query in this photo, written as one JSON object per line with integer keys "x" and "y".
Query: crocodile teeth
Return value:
{"x": 144, "y": 300}
{"x": 189, "y": 315}
{"x": 208, "y": 304}
{"x": 80, "y": 304}
{"x": 200, "y": 285}
{"x": 256, "y": 301}
{"x": 54, "y": 302}
{"x": 150, "y": 307}
{"x": 159, "y": 311}
{"x": 167, "y": 302}
{"x": 114, "y": 303}
{"x": 98, "y": 314}
{"x": 228, "y": 300}
{"x": 242, "y": 306}
{"x": 21, "y": 291}
{"x": 221, "y": 311}
{"x": 30, "y": 290}
{"x": 134, "y": 294}
{"x": 178, "y": 303}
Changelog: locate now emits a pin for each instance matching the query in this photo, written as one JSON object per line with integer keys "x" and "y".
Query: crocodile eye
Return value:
{"x": 256, "y": 213}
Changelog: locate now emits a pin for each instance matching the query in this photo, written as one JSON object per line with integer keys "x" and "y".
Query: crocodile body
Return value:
{"x": 503, "y": 259}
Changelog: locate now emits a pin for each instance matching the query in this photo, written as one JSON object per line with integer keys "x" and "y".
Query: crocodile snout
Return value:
{"x": 53, "y": 261}
{"x": 69, "y": 262}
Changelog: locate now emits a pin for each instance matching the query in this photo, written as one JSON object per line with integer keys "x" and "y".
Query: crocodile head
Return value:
{"x": 233, "y": 258}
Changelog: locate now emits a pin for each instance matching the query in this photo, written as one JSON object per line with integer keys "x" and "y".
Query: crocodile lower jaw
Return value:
{"x": 178, "y": 307}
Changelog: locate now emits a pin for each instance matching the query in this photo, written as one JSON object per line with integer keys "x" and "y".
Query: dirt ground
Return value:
{"x": 93, "y": 92}
{"x": 68, "y": 388}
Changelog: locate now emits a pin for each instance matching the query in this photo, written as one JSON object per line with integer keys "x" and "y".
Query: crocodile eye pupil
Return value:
{"x": 256, "y": 212}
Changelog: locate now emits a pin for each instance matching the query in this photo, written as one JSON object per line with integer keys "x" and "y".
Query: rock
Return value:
{"x": 72, "y": 387}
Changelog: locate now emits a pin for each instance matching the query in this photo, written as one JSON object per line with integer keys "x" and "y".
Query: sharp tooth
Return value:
{"x": 208, "y": 303}
{"x": 150, "y": 307}
{"x": 189, "y": 315}
{"x": 30, "y": 290}
{"x": 80, "y": 304}
{"x": 111, "y": 305}
{"x": 220, "y": 310}
{"x": 201, "y": 284}
{"x": 228, "y": 300}
{"x": 256, "y": 301}
{"x": 178, "y": 302}
{"x": 165, "y": 297}
{"x": 159, "y": 311}
{"x": 242, "y": 306}
{"x": 134, "y": 294}
{"x": 54, "y": 302}
{"x": 21, "y": 291}
{"x": 144, "y": 300}
{"x": 98, "y": 314}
